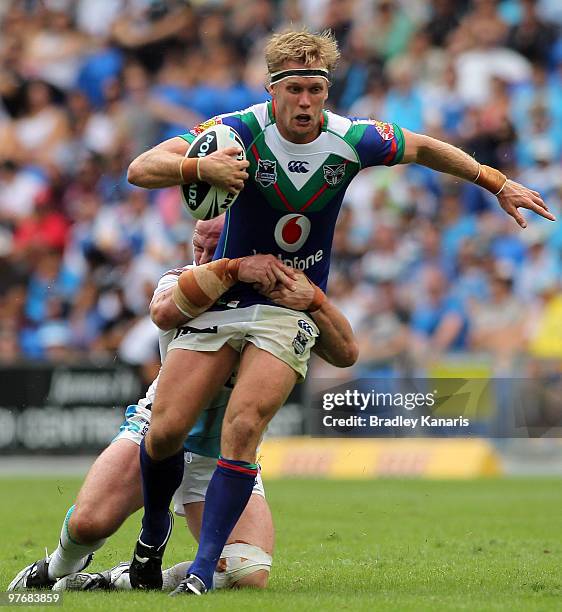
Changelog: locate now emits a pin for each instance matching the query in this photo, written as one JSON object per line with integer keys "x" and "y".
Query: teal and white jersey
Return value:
{"x": 290, "y": 204}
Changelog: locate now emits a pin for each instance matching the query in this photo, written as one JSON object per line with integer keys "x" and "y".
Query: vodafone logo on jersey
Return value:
{"x": 292, "y": 231}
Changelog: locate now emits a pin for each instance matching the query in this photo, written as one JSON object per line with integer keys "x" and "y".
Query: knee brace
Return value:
{"x": 241, "y": 560}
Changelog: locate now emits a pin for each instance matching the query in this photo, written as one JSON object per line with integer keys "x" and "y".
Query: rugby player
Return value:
{"x": 300, "y": 159}
{"x": 112, "y": 489}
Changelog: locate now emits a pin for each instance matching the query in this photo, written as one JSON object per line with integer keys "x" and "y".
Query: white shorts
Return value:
{"x": 287, "y": 334}
{"x": 197, "y": 472}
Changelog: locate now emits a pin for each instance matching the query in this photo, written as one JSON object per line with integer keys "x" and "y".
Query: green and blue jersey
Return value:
{"x": 290, "y": 204}
{"x": 288, "y": 208}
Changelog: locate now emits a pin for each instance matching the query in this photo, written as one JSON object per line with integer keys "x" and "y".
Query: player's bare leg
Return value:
{"x": 110, "y": 494}
{"x": 263, "y": 384}
{"x": 188, "y": 381}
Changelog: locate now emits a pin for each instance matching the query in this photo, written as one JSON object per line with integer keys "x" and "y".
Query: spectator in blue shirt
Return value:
{"x": 439, "y": 321}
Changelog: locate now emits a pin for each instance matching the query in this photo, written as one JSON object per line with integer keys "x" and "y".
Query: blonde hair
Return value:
{"x": 301, "y": 46}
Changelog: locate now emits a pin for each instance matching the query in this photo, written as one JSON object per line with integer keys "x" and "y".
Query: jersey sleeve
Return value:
{"x": 188, "y": 137}
{"x": 378, "y": 143}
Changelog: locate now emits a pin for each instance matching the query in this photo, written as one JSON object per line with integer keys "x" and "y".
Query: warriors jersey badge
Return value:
{"x": 266, "y": 172}
{"x": 334, "y": 174}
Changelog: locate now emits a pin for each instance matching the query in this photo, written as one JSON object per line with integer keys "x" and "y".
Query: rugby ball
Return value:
{"x": 202, "y": 200}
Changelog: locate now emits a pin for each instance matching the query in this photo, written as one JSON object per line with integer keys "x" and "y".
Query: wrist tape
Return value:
{"x": 189, "y": 170}
{"x": 318, "y": 298}
{"x": 491, "y": 179}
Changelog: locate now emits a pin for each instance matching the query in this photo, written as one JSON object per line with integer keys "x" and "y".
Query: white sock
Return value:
{"x": 70, "y": 556}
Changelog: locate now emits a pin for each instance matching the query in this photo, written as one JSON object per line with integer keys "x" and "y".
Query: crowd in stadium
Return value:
{"x": 423, "y": 265}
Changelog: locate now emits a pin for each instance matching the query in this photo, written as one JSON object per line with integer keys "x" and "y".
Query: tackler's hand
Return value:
{"x": 298, "y": 299}
{"x": 266, "y": 272}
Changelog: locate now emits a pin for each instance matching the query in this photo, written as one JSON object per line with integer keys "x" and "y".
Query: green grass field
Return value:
{"x": 385, "y": 544}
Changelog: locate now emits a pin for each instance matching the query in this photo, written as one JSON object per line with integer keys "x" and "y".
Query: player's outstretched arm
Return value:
{"x": 165, "y": 165}
{"x": 446, "y": 158}
{"x": 198, "y": 288}
{"x": 336, "y": 344}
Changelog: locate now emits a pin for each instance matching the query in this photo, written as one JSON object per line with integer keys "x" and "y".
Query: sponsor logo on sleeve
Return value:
{"x": 198, "y": 129}
{"x": 386, "y": 130}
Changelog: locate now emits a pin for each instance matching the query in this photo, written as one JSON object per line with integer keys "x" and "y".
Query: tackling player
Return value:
{"x": 300, "y": 159}
{"x": 112, "y": 489}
